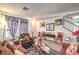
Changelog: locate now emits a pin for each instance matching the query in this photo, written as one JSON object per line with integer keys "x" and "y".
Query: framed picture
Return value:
{"x": 42, "y": 24}
{"x": 58, "y": 22}
{"x": 50, "y": 27}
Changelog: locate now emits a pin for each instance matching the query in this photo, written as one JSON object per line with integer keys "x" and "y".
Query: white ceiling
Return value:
{"x": 39, "y": 9}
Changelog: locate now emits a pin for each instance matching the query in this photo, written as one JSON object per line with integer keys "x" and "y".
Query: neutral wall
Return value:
{"x": 58, "y": 28}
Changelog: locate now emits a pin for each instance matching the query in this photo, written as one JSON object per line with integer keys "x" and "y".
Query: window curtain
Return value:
{"x": 12, "y": 23}
{"x": 23, "y": 26}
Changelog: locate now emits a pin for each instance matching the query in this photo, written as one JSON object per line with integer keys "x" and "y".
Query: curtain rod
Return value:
{"x": 10, "y": 14}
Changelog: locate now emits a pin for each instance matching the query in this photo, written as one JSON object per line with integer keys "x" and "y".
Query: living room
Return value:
{"x": 54, "y": 25}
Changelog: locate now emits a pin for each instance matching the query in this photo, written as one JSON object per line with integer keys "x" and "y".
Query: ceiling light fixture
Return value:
{"x": 25, "y": 8}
